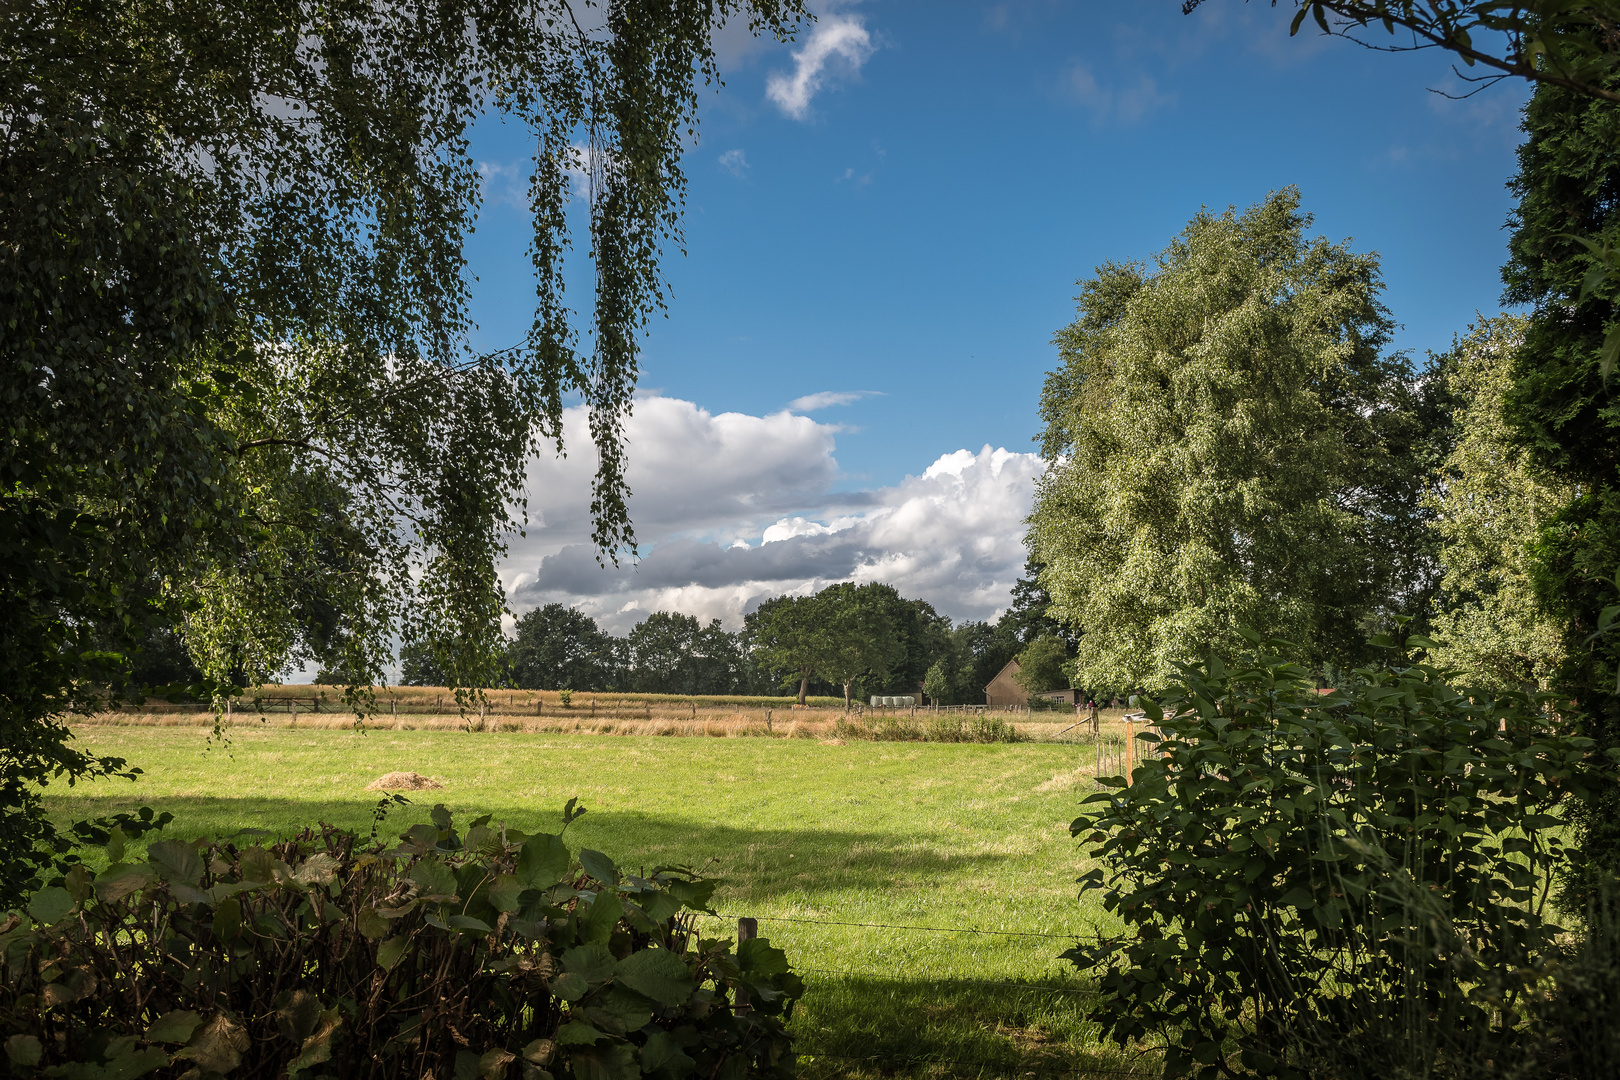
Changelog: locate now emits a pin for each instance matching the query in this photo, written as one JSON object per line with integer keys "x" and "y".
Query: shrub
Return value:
{"x": 1347, "y": 885}
{"x": 494, "y": 955}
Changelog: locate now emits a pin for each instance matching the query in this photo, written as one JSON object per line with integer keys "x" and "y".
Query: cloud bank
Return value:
{"x": 731, "y": 509}
{"x": 836, "y": 42}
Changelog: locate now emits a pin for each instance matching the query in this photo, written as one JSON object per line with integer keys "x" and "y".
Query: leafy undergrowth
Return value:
{"x": 801, "y": 834}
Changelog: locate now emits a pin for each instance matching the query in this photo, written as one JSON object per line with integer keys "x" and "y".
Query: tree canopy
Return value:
{"x": 1562, "y": 407}
{"x": 1232, "y": 446}
{"x": 559, "y": 648}
{"x": 237, "y": 388}
{"x": 1489, "y": 510}
{"x": 1570, "y": 44}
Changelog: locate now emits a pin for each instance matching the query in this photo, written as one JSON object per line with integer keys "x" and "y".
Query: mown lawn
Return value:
{"x": 955, "y": 836}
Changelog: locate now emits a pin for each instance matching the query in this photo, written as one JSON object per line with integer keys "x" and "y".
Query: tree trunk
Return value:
{"x": 847, "y": 686}
{"x": 804, "y": 686}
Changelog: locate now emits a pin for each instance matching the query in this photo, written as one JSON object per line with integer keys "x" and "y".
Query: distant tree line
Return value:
{"x": 847, "y": 640}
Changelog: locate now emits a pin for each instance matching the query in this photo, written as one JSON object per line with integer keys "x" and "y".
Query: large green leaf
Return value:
{"x": 658, "y": 973}
{"x": 217, "y": 1045}
{"x": 175, "y": 1026}
{"x": 24, "y": 1051}
{"x": 433, "y": 878}
{"x": 592, "y": 961}
{"x": 599, "y": 866}
{"x": 122, "y": 879}
{"x": 629, "y": 1009}
{"x": 758, "y": 956}
{"x": 317, "y": 1047}
{"x": 176, "y": 861}
{"x": 663, "y": 1056}
{"x": 50, "y": 905}
{"x": 578, "y": 1033}
{"x": 543, "y": 861}
{"x": 604, "y": 914}
{"x": 390, "y": 951}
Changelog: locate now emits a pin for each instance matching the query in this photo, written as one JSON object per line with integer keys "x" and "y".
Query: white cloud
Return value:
{"x": 732, "y": 509}
{"x": 1126, "y": 105}
{"x": 734, "y": 162}
{"x": 812, "y": 402}
{"x": 840, "y": 40}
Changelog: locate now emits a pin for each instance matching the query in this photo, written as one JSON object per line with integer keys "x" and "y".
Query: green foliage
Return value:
{"x": 419, "y": 667}
{"x": 1354, "y": 881}
{"x": 489, "y": 955}
{"x": 672, "y": 653}
{"x": 843, "y": 633}
{"x": 1490, "y": 625}
{"x": 1564, "y": 410}
{"x": 556, "y": 647}
{"x": 1041, "y": 666}
{"x": 237, "y": 387}
{"x": 1232, "y": 445}
{"x": 1552, "y": 42}
{"x": 785, "y": 636}
{"x": 856, "y": 635}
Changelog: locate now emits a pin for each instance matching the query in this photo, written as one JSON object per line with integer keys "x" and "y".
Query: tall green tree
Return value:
{"x": 784, "y": 635}
{"x": 1565, "y": 411}
{"x": 1231, "y": 441}
{"x": 1042, "y": 665}
{"x": 858, "y": 635}
{"x": 559, "y": 648}
{"x": 235, "y": 382}
{"x": 671, "y": 653}
{"x": 1490, "y": 508}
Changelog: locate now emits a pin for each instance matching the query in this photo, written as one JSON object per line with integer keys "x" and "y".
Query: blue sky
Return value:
{"x": 908, "y": 227}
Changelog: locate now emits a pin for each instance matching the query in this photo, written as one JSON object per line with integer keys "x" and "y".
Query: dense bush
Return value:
{"x": 1349, "y": 884}
{"x": 490, "y": 955}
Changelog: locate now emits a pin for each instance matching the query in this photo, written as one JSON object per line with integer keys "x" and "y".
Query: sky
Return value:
{"x": 885, "y": 222}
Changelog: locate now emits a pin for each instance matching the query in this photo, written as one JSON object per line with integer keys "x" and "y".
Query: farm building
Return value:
{"x": 1004, "y": 691}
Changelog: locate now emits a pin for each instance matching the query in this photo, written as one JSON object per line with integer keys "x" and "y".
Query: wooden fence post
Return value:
{"x": 747, "y": 930}
{"x": 1130, "y": 750}
{"x": 294, "y": 714}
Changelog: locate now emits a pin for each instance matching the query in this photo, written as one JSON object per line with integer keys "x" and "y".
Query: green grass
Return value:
{"x": 957, "y": 836}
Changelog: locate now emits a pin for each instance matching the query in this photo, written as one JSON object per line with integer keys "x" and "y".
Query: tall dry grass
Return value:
{"x": 430, "y": 708}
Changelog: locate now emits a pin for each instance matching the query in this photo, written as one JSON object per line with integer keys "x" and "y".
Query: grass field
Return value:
{"x": 803, "y": 833}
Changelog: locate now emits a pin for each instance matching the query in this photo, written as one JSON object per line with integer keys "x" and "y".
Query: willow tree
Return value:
{"x": 1231, "y": 447}
{"x": 237, "y": 387}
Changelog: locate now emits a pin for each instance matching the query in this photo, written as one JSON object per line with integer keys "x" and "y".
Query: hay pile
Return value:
{"x": 403, "y": 781}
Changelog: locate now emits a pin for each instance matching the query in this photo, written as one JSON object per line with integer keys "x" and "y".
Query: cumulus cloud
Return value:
{"x": 732, "y": 509}
{"x": 836, "y": 43}
{"x": 827, "y": 398}
{"x": 734, "y": 162}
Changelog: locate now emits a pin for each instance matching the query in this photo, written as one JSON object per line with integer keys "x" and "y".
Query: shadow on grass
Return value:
{"x": 872, "y": 1026}
{"x": 760, "y": 863}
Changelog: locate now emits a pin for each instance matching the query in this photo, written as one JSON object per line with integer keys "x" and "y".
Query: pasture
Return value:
{"x": 807, "y": 835}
